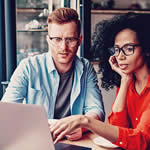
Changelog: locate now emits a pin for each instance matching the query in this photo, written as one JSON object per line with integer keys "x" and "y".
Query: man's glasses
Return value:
{"x": 127, "y": 49}
{"x": 70, "y": 42}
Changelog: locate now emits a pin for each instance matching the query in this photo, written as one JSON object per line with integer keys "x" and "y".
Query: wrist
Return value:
{"x": 85, "y": 120}
{"x": 125, "y": 82}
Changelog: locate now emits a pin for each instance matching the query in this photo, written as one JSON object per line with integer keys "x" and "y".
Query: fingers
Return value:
{"x": 114, "y": 65}
{"x": 75, "y": 135}
{"x": 65, "y": 126}
{"x": 113, "y": 62}
{"x": 58, "y": 130}
{"x": 52, "y": 121}
{"x": 59, "y": 137}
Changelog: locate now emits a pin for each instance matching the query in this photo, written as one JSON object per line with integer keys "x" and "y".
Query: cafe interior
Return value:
{"x": 23, "y": 30}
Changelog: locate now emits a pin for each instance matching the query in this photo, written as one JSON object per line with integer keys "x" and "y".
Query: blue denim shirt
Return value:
{"x": 36, "y": 81}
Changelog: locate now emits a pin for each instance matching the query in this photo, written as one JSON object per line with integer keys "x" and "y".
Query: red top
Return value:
{"x": 134, "y": 122}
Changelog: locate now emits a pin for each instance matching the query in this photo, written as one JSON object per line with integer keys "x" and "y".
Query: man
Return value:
{"x": 59, "y": 80}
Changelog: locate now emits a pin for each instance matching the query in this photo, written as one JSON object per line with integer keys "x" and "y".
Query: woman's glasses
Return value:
{"x": 127, "y": 49}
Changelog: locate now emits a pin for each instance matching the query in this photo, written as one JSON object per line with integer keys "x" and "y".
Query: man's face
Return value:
{"x": 63, "y": 41}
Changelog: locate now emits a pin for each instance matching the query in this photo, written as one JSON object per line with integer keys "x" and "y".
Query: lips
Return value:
{"x": 63, "y": 53}
{"x": 123, "y": 66}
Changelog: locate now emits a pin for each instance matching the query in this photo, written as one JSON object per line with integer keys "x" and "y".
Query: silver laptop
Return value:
{"x": 24, "y": 127}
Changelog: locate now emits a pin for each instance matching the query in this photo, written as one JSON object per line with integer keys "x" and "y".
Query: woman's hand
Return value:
{"x": 114, "y": 65}
{"x": 125, "y": 78}
{"x": 69, "y": 127}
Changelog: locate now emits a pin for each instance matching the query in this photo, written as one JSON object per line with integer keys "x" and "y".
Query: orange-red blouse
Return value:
{"x": 134, "y": 121}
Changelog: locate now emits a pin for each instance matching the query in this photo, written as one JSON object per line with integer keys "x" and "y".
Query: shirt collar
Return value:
{"x": 51, "y": 66}
{"x": 148, "y": 82}
{"x": 49, "y": 62}
{"x": 147, "y": 85}
{"x": 78, "y": 64}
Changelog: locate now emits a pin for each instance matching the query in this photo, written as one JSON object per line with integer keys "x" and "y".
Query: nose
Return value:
{"x": 121, "y": 55}
{"x": 63, "y": 45}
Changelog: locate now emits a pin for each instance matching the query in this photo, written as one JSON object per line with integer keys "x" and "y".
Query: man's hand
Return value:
{"x": 70, "y": 127}
{"x": 65, "y": 128}
{"x": 75, "y": 135}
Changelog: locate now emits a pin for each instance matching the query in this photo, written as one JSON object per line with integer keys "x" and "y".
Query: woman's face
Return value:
{"x": 134, "y": 61}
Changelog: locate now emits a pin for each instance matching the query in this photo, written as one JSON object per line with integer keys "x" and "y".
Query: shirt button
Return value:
{"x": 121, "y": 143}
{"x": 136, "y": 118}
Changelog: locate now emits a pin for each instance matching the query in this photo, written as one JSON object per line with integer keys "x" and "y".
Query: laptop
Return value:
{"x": 25, "y": 126}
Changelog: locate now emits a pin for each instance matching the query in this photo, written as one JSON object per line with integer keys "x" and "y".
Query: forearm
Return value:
{"x": 92, "y": 115}
{"x": 105, "y": 130}
{"x": 67, "y": 125}
{"x": 120, "y": 102}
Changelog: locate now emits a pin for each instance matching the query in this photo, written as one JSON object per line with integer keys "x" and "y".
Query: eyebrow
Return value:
{"x": 126, "y": 44}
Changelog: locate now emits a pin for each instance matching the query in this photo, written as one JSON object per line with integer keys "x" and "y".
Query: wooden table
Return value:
{"x": 87, "y": 141}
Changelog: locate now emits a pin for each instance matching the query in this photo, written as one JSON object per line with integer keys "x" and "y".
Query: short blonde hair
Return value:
{"x": 64, "y": 15}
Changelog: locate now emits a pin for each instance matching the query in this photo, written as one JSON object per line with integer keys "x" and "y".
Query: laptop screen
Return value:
{"x": 63, "y": 146}
{"x": 24, "y": 126}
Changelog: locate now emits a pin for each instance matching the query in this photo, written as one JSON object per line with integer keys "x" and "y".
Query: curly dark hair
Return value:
{"x": 104, "y": 36}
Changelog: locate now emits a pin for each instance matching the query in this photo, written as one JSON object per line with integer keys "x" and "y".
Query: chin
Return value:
{"x": 64, "y": 61}
{"x": 127, "y": 71}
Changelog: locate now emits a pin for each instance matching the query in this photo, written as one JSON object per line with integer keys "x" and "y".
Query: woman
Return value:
{"x": 123, "y": 46}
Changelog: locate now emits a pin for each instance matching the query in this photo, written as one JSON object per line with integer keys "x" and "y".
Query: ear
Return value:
{"x": 80, "y": 40}
{"x": 47, "y": 38}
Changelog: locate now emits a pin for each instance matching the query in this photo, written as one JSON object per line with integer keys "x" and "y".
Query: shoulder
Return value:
{"x": 33, "y": 64}
{"x": 82, "y": 61}
{"x": 34, "y": 61}
{"x": 84, "y": 66}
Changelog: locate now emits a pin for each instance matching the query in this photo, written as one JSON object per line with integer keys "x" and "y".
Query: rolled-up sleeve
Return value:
{"x": 138, "y": 138}
{"x": 132, "y": 138}
{"x": 119, "y": 118}
{"x": 93, "y": 102}
{"x": 17, "y": 88}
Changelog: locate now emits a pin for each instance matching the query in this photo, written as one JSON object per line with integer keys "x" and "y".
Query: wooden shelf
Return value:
{"x": 32, "y": 30}
{"x": 29, "y": 10}
{"x": 93, "y": 11}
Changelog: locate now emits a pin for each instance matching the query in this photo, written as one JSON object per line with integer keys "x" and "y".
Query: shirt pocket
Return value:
{"x": 36, "y": 96}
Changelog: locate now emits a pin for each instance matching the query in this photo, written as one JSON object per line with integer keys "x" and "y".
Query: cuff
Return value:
{"x": 122, "y": 139}
{"x": 114, "y": 118}
{"x": 100, "y": 113}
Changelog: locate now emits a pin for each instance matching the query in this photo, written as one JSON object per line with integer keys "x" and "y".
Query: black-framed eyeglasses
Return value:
{"x": 127, "y": 49}
{"x": 70, "y": 41}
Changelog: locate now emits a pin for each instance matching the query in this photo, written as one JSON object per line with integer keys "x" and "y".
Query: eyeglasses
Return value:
{"x": 70, "y": 41}
{"x": 127, "y": 49}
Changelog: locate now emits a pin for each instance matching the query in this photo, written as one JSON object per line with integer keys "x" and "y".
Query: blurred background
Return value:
{"x": 23, "y": 30}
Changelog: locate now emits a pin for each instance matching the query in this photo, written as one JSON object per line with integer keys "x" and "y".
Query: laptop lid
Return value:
{"x": 24, "y": 126}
